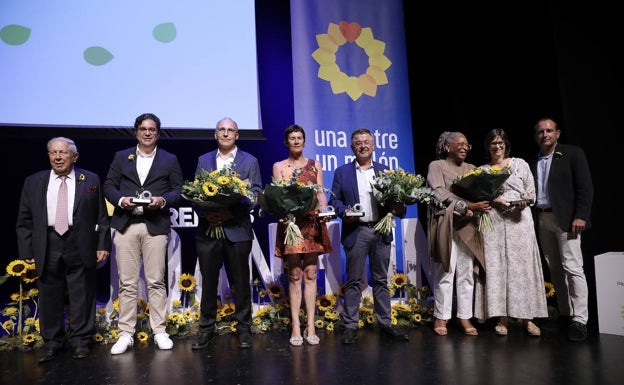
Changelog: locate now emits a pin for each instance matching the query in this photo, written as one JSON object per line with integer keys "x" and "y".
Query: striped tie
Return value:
{"x": 61, "y": 224}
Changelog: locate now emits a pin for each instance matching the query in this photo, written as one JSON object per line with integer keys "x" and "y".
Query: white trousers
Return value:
{"x": 564, "y": 258}
{"x": 460, "y": 272}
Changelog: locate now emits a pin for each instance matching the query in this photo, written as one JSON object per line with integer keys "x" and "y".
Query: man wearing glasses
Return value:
{"x": 142, "y": 183}
{"x": 233, "y": 250}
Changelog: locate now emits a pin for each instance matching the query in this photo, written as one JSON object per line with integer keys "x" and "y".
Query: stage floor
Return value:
{"x": 425, "y": 359}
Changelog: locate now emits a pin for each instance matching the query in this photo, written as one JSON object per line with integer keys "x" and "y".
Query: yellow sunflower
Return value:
{"x": 399, "y": 280}
{"x": 10, "y": 311}
{"x": 97, "y": 337}
{"x": 17, "y": 268}
{"x": 142, "y": 336}
{"x": 186, "y": 282}
{"x": 275, "y": 290}
{"x": 550, "y": 289}
{"x": 33, "y": 292}
{"x": 210, "y": 189}
{"x": 116, "y": 305}
{"x": 326, "y": 302}
{"x": 176, "y": 303}
{"x": 30, "y": 321}
{"x": 319, "y": 324}
{"x": 30, "y": 275}
{"x": 28, "y": 339}
{"x": 330, "y": 327}
{"x": 417, "y": 318}
{"x": 8, "y": 324}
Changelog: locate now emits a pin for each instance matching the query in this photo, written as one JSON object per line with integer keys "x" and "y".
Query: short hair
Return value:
{"x": 145, "y": 116}
{"x": 72, "y": 144}
{"x": 224, "y": 119}
{"x": 293, "y": 128}
{"x": 361, "y": 131}
{"x": 535, "y": 127}
{"x": 445, "y": 138}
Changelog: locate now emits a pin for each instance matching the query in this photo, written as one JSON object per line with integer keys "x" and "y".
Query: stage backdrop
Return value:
{"x": 349, "y": 72}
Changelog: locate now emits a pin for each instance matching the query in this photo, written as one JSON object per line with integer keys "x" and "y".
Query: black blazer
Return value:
{"x": 90, "y": 218}
{"x": 164, "y": 179}
{"x": 570, "y": 187}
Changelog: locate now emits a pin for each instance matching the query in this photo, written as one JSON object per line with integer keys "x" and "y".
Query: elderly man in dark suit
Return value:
{"x": 564, "y": 198}
{"x": 142, "y": 183}
{"x": 352, "y": 186}
{"x": 63, "y": 227}
{"x": 233, "y": 250}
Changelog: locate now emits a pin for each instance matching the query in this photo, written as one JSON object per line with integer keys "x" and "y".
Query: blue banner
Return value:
{"x": 350, "y": 72}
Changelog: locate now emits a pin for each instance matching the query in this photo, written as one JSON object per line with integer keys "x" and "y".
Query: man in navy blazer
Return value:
{"x": 564, "y": 198}
{"x": 142, "y": 183}
{"x": 233, "y": 250}
{"x": 352, "y": 189}
{"x": 64, "y": 259}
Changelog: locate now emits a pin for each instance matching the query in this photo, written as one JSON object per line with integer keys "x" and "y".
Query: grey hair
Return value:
{"x": 72, "y": 144}
{"x": 445, "y": 139}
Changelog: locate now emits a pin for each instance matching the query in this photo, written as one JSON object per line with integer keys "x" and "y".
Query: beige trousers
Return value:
{"x": 135, "y": 248}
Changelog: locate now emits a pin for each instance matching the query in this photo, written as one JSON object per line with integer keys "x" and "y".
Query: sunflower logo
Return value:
{"x": 329, "y": 43}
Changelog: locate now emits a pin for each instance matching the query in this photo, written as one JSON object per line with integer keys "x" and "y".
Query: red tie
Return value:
{"x": 61, "y": 224}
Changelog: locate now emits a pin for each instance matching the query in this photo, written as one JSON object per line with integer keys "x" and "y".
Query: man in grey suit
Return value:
{"x": 66, "y": 244}
{"x": 564, "y": 198}
{"x": 233, "y": 250}
{"x": 142, "y": 183}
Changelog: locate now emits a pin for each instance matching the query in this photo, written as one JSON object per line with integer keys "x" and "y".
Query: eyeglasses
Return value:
{"x": 497, "y": 144}
{"x": 223, "y": 131}
{"x": 59, "y": 153}
{"x": 467, "y": 146}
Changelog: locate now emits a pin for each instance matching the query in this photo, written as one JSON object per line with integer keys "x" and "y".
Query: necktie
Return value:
{"x": 61, "y": 224}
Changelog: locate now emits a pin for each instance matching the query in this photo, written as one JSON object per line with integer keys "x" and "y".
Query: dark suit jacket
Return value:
{"x": 345, "y": 195}
{"x": 570, "y": 187}
{"x": 164, "y": 179}
{"x": 90, "y": 218}
{"x": 238, "y": 228}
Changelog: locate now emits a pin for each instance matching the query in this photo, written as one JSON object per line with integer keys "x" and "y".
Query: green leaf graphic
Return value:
{"x": 14, "y": 34}
{"x": 165, "y": 32}
{"x": 97, "y": 56}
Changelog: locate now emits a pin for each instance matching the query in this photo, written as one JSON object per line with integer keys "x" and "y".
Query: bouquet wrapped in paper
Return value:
{"x": 481, "y": 184}
{"x": 288, "y": 200}
{"x": 218, "y": 189}
{"x": 399, "y": 186}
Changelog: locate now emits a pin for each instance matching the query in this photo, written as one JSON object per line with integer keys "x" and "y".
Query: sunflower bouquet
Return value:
{"x": 289, "y": 200}
{"x": 218, "y": 189}
{"x": 481, "y": 184}
{"x": 399, "y": 186}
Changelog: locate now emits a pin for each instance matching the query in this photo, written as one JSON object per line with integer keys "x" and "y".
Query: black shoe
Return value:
{"x": 392, "y": 334}
{"x": 204, "y": 340}
{"x": 349, "y": 336}
{"x": 244, "y": 339}
{"x": 48, "y": 355}
{"x": 577, "y": 332}
{"x": 81, "y": 352}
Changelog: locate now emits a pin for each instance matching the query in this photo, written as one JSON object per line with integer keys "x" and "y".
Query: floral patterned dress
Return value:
{"x": 514, "y": 282}
{"x": 314, "y": 232}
